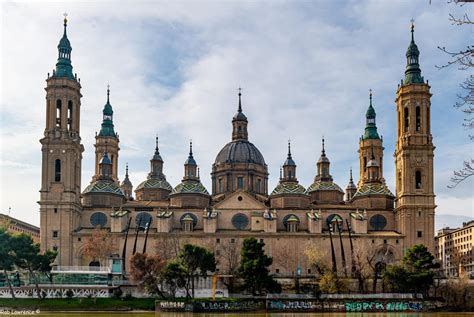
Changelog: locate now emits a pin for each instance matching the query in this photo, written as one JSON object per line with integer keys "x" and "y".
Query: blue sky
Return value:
{"x": 174, "y": 68}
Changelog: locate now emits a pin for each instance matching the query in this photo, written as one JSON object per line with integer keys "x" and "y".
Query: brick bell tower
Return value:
{"x": 415, "y": 199}
{"x": 60, "y": 203}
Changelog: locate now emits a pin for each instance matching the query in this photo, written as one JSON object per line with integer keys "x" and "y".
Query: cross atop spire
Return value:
{"x": 108, "y": 93}
{"x": 323, "y": 152}
{"x": 126, "y": 170}
{"x": 191, "y": 148}
{"x": 240, "y": 100}
{"x": 157, "y": 150}
{"x": 412, "y": 29}
{"x": 289, "y": 149}
{"x": 350, "y": 174}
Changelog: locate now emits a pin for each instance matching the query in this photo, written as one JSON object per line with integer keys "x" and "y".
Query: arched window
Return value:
{"x": 57, "y": 170}
{"x": 418, "y": 179}
{"x": 428, "y": 120}
{"x": 259, "y": 184}
{"x": 418, "y": 119}
{"x": 365, "y": 163}
{"x": 58, "y": 113}
{"x": 188, "y": 221}
{"x": 399, "y": 122}
{"x": 291, "y": 223}
{"x": 240, "y": 182}
{"x": 407, "y": 119}
{"x": 69, "y": 115}
{"x": 142, "y": 220}
{"x": 220, "y": 185}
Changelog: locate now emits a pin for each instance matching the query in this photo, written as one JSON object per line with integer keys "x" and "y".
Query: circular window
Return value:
{"x": 378, "y": 222}
{"x": 240, "y": 198}
{"x": 142, "y": 219}
{"x": 98, "y": 219}
{"x": 188, "y": 214}
{"x": 290, "y": 218}
{"x": 240, "y": 221}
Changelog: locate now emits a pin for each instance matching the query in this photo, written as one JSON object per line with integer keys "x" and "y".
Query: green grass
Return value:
{"x": 76, "y": 304}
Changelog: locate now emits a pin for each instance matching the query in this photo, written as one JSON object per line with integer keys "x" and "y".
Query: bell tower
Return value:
{"x": 60, "y": 203}
{"x": 107, "y": 141}
{"x": 415, "y": 199}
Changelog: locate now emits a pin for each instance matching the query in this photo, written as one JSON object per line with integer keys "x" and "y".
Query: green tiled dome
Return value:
{"x": 190, "y": 187}
{"x": 321, "y": 185}
{"x": 155, "y": 183}
{"x": 373, "y": 189}
{"x": 104, "y": 187}
{"x": 289, "y": 188}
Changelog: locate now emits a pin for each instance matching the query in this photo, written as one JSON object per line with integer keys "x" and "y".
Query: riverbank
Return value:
{"x": 80, "y": 304}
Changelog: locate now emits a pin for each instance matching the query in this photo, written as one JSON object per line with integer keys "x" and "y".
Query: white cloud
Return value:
{"x": 174, "y": 69}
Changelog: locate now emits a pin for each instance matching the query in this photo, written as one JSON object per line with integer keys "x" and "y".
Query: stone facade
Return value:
{"x": 289, "y": 218}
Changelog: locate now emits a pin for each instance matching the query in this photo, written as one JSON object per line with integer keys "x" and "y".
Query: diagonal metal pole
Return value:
{"x": 339, "y": 229}
{"x": 349, "y": 228}
{"x": 136, "y": 235}
{"x": 124, "y": 251}
{"x": 146, "y": 235}
{"x": 334, "y": 267}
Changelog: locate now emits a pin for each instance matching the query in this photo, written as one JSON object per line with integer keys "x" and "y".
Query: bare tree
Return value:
{"x": 317, "y": 257}
{"x": 99, "y": 246}
{"x": 283, "y": 256}
{"x": 168, "y": 246}
{"x": 228, "y": 257}
{"x": 463, "y": 58}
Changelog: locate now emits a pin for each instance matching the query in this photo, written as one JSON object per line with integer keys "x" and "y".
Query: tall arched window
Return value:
{"x": 240, "y": 182}
{"x": 428, "y": 120}
{"x": 259, "y": 183}
{"x": 406, "y": 119}
{"x": 418, "y": 119}
{"x": 69, "y": 115}
{"x": 365, "y": 163}
{"x": 418, "y": 179}
{"x": 57, "y": 170}
{"x": 58, "y": 113}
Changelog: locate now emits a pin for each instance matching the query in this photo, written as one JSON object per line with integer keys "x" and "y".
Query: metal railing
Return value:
{"x": 88, "y": 269}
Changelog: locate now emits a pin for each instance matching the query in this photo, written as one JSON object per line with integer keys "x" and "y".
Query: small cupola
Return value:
{"x": 239, "y": 122}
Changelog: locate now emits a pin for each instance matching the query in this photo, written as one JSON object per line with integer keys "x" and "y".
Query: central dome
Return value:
{"x": 240, "y": 151}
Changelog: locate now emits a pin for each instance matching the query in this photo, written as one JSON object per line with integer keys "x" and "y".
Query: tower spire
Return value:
{"x": 63, "y": 65}
{"x": 370, "y": 126}
{"x": 107, "y": 127}
{"x": 413, "y": 71}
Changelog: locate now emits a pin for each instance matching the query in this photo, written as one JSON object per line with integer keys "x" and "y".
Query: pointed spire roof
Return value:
{"x": 413, "y": 71}
{"x": 289, "y": 160}
{"x": 190, "y": 160}
{"x": 157, "y": 156}
{"x": 126, "y": 180}
{"x": 370, "y": 126}
{"x": 107, "y": 127}
{"x": 323, "y": 158}
{"x": 239, "y": 116}
{"x": 64, "y": 66}
{"x": 351, "y": 184}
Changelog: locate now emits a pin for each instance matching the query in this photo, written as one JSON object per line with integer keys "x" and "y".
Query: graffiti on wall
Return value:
{"x": 383, "y": 306}
{"x": 229, "y": 306}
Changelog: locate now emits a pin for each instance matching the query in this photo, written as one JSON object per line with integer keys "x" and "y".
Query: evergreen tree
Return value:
{"x": 254, "y": 268}
{"x": 414, "y": 274}
{"x": 197, "y": 261}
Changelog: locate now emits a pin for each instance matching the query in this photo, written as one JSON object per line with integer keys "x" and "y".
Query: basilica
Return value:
{"x": 156, "y": 216}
